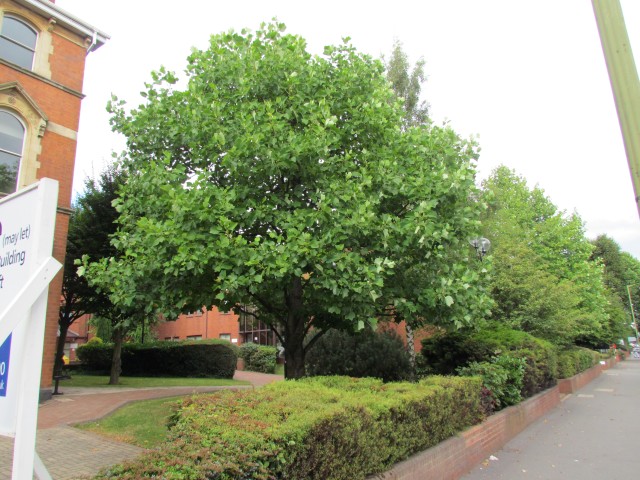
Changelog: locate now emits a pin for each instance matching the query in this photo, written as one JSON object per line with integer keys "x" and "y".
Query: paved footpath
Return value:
{"x": 72, "y": 454}
{"x": 588, "y": 437}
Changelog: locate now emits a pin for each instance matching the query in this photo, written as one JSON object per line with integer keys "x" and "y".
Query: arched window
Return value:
{"x": 11, "y": 140}
{"x": 17, "y": 42}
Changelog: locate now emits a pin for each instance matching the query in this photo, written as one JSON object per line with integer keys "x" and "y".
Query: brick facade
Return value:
{"x": 201, "y": 324}
{"x": 46, "y": 99}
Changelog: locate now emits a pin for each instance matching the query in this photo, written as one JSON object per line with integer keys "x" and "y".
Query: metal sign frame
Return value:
{"x": 27, "y": 224}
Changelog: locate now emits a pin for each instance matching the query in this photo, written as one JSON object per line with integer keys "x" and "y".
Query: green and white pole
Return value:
{"x": 624, "y": 81}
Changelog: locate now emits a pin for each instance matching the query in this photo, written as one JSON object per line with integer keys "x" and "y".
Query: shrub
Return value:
{"x": 445, "y": 352}
{"x": 576, "y": 360}
{"x": 541, "y": 369}
{"x": 363, "y": 354}
{"x": 258, "y": 358}
{"x": 321, "y": 428}
{"x": 503, "y": 376}
{"x": 95, "y": 355}
{"x": 205, "y": 358}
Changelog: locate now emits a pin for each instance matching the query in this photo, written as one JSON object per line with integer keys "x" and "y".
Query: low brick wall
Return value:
{"x": 456, "y": 456}
{"x": 572, "y": 384}
{"x": 575, "y": 383}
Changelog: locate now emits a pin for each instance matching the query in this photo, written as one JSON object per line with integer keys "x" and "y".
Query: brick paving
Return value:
{"x": 72, "y": 454}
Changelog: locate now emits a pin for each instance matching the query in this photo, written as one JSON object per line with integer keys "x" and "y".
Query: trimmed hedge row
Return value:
{"x": 320, "y": 428}
{"x": 576, "y": 360}
{"x": 205, "y": 358}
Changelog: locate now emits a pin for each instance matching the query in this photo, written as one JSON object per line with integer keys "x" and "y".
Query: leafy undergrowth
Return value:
{"x": 318, "y": 428}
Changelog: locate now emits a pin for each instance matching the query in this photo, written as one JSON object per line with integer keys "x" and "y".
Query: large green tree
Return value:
{"x": 622, "y": 278}
{"x": 544, "y": 282}
{"x": 287, "y": 182}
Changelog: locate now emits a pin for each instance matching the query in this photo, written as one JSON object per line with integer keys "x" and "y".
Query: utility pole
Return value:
{"x": 624, "y": 81}
{"x": 633, "y": 315}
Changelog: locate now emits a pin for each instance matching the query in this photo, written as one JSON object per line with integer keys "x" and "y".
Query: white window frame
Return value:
{"x": 11, "y": 40}
{"x": 22, "y": 147}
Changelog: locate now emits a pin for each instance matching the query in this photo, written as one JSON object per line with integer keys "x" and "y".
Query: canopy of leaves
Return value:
{"x": 622, "y": 278}
{"x": 286, "y": 181}
{"x": 544, "y": 282}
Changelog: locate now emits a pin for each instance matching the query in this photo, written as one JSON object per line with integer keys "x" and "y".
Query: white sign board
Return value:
{"x": 27, "y": 222}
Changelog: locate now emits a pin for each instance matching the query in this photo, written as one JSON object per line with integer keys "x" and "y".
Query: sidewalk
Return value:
{"x": 72, "y": 454}
{"x": 589, "y": 436}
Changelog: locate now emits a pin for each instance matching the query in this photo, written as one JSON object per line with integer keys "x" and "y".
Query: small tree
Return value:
{"x": 91, "y": 228}
{"x": 91, "y": 225}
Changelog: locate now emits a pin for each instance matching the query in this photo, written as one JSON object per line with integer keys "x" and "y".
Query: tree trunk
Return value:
{"x": 294, "y": 332}
{"x": 411, "y": 348}
{"x": 116, "y": 361}
{"x": 293, "y": 361}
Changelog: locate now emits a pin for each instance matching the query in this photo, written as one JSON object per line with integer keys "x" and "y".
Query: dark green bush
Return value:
{"x": 205, "y": 358}
{"x": 503, "y": 376}
{"x": 363, "y": 354}
{"x": 95, "y": 356}
{"x": 576, "y": 360}
{"x": 258, "y": 358}
{"x": 322, "y": 428}
{"x": 445, "y": 353}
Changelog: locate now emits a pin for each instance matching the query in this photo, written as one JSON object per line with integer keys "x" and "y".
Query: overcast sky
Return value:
{"x": 526, "y": 78}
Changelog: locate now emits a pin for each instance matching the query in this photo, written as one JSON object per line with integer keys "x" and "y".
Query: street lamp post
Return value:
{"x": 481, "y": 245}
{"x": 633, "y": 315}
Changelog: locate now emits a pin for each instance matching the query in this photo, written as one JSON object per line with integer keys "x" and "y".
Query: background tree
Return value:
{"x": 74, "y": 290}
{"x": 543, "y": 282}
{"x": 622, "y": 277}
{"x": 90, "y": 231}
{"x": 90, "y": 227}
{"x": 408, "y": 85}
{"x": 285, "y": 181}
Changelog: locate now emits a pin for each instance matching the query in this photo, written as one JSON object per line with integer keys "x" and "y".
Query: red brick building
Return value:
{"x": 199, "y": 325}
{"x": 42, "y": 58}
{"x": 203, "y": 324}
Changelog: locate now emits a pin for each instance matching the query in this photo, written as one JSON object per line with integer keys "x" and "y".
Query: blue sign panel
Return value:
{"x": 5, "y": 350}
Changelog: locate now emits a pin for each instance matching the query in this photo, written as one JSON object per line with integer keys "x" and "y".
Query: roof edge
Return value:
{"x": 70, "y": 21}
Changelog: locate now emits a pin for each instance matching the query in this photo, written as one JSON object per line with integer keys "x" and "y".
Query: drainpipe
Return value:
{"x": 94, "y": 40}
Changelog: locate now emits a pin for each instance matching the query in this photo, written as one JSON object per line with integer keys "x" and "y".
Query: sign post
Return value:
{"x": 27, "y": 222}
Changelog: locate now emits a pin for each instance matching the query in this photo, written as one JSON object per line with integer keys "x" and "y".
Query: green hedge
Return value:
{"x": 445, "y": 353}
{"x": 322, "y": 428}
{"x": 576, "y": 360}
{"x": 258, "y": 358}
{"x": 363, "y": 354}
{"x": 503, "y": 377}
{"x": 205, "y": 358}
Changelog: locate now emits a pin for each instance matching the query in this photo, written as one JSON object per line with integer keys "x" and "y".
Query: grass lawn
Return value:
{"x": 79, "y": 380}
{"x": 141, "y": 423}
